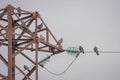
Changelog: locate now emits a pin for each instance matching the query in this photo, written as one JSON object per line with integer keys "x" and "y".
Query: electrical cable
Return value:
{"x": 33, "y": 65}
{"x": 58, "y": 74}
{"x": 103, "y": 51}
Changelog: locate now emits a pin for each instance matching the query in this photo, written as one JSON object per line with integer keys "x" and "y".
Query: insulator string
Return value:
{"x": 57, "y": 74}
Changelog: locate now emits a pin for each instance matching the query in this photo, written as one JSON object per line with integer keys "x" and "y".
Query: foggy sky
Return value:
{"x": 79, "y": 22}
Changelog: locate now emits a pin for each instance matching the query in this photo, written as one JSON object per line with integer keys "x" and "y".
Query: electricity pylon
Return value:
{"x": 22, "y": 30}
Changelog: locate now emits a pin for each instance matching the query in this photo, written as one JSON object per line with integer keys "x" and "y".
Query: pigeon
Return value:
{"x": 26, "y": 68}
{"x": 81, "y": 49}
{"x": 19, "y": 11}
{"x": 96, "y": 50}
{"x": 40, "y": 26}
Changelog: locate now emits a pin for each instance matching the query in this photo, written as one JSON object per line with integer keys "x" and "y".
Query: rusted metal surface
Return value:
{"x": 10, "y": 45}
{"x": 19, "y": 31}
{"x": 3, "y": 76}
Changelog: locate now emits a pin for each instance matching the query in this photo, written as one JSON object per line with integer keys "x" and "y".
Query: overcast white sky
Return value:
{"x": 80, "y": 22}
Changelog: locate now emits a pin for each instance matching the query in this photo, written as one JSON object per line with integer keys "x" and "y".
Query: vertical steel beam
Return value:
{"x": 47, "y": 36}
{"x": 36, "y": 57}
{"x": 36, "y": 45}
{"x": 9, "y": 34}
{"x": 13, "y": 50}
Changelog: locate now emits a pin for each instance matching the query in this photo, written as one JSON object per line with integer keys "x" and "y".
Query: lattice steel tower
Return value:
{"x": 22, "y": 30}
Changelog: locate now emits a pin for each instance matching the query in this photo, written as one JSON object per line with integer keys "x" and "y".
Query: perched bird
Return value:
{"x": 96, "y": 50}
{"x": 19, "y": 11}
{"x": 60, "y": 41}
{"x": 26, "y": 68}
{"x": 42, "y": 37}
{"x": 81, "y": 49}
{"x": 40, "y": 26}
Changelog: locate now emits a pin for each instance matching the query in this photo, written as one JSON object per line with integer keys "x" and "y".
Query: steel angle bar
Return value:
{"x": 23, "y": 48}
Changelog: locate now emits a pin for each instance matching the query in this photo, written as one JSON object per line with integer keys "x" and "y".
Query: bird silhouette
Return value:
{"x": 81, "y": 49}
{"x": 26, "y": 68}
{"x": 96, "y": 50}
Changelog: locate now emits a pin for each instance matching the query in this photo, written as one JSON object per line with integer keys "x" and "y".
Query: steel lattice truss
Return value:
{"x": 22, "y": 30}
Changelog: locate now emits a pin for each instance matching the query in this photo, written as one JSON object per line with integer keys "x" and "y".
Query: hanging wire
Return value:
{"x": 42, "y": 61}
{"x": 58, "y": 74}
{"x": 75, "y": 51}
{"x": 71, "y": 50}
{"x": 103, "y": 52}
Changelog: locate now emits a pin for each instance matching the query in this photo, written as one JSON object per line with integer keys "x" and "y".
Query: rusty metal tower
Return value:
{"x": 22, "y": 30}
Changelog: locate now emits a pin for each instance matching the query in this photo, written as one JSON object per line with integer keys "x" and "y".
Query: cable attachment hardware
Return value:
{"x": 44, "y": 61}
{"x": 75, "y": 51}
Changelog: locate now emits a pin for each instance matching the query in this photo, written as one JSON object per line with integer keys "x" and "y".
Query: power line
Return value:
{"x": 103, "y": 52}
{"x": 58, "y": 74}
